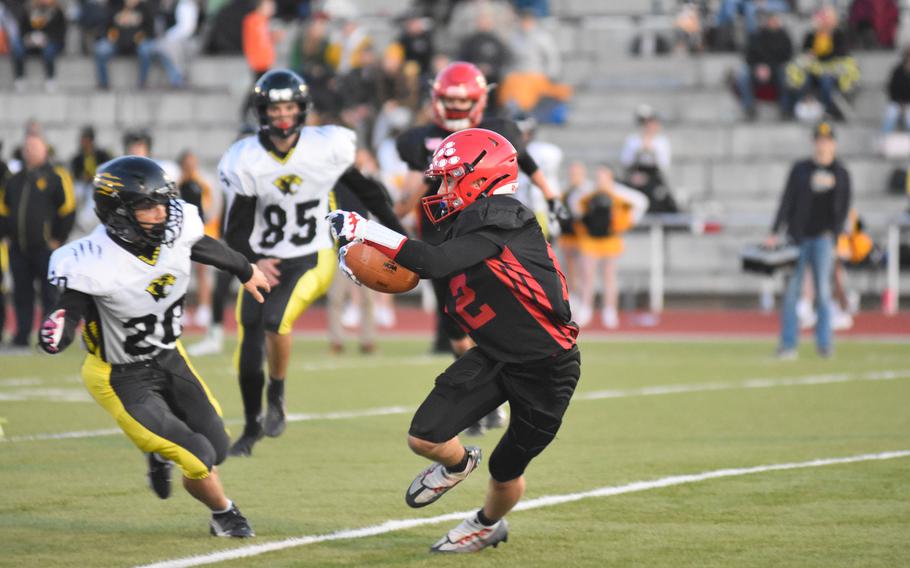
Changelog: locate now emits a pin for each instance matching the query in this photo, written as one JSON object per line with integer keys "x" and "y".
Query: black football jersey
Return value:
{"x": 514, "y": 305}
{"x": 417, "y": 145}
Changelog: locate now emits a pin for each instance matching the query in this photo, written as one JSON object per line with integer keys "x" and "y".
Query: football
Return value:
{"x": 377, "y": 271}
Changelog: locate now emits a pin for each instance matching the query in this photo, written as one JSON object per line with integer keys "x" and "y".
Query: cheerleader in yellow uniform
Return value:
{"x": 606, "y": 211}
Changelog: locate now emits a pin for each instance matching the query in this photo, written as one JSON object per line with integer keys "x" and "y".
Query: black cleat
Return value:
{"x": 252, "y": 433}
{"x": 231, "y": 524}
{"x": 275, "y": 420}
{"x": 159, "y": 476}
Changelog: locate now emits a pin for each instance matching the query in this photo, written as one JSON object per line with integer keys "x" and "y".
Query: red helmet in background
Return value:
{"x": 471, "y": 164}
{"x": 459, "y": 80}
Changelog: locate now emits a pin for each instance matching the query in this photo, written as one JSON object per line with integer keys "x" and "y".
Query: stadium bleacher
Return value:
{"x": 721, "y": 164}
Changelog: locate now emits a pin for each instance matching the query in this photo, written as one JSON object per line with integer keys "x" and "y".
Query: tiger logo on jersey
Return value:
{"x": 288, "y": 184}
{"x": 160, "y": 287}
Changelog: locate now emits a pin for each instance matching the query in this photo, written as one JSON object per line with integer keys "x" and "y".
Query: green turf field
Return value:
{"x": 84, "y": 502}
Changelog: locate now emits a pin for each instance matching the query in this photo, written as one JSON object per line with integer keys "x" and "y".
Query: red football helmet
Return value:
{"x": 471, "y": 164}
{"x": 464, "y": 81}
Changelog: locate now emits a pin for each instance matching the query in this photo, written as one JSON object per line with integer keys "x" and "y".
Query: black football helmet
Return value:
{"x": 124, "y": 184}
{"x": 281, "y": 85}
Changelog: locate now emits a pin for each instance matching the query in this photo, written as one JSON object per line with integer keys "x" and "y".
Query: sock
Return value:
{"x": 275, "y": 388}
{"x": 482, "y": 519}
{"x": 460, "y": 467}
{"x": 229, "y": 507}
{"x": 251, "y": 391}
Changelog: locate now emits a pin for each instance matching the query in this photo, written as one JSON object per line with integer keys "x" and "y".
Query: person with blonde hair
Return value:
{"x": 606, "y": 210}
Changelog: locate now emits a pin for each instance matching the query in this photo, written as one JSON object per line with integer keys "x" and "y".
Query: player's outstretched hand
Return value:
{"x": 342, "y": 252}
{"x": 52, "y": 331}
{"x": 258, "y": 281}
{"x": 347, "y": 225}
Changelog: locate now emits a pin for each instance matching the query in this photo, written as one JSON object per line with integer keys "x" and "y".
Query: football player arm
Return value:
{"x": 215, "y": 253}
{"x": 59, "y": 328}
{"x": 373, "y": 195}
{"x": 241, "y": 218}
{"x": 436, "y": 261}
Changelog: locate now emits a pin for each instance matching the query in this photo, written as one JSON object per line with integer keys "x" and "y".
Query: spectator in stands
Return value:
{"x": 258, "y": 46}
{"x": 92, "y": 17}
{"x": 767, "y": 53}
{"x": 812, "y": 212}
{"x": 730, "y": 9}
{"x": 42, "y": 30}
{"x": 485, "y": 49}
{"x": 38, "y": 211}
{"x": 646, "y": 156}
{"x": 82, "y": 167}
{"x": 898, "y": 109}
{"x": 824, "y": 64}
{"x": 9, "y": 27}
{"x": 226, "y": 32}
{"x": 347, "y": 45}
{"x": 181, "y": 19}
{"x": 872, "y": 24}
{"x": 86, "y": 161}
{"x": 540, "y": 8}
{"x": 536, "y": 64}
{"x": 258, "y": 40}
{"x": 606, "y": 212}
{"x": 687, "y": 29}
{"x": 416, "y": 39}
{"x": 130, "y": 30}
{"x": 310, "y": 58}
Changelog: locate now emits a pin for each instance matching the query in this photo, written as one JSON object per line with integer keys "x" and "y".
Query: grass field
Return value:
{"x": 670, "y": 408}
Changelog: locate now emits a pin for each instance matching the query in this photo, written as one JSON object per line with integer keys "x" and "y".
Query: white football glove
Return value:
{"x": 347, "y": 225}
{"x": 342, "y": 252}
{"x": 52, "y": 331}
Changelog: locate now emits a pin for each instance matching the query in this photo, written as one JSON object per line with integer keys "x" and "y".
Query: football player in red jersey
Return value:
{"x": 459, "y": 99}
{"x": 507, "y": 292}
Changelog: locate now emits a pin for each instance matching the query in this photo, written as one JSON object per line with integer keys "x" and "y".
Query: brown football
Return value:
{"x": 377, "y": 271}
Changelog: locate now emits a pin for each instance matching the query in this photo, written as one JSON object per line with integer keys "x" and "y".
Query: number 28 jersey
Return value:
{"x": 292, "y": 193}
{"x": 138, "y": 301}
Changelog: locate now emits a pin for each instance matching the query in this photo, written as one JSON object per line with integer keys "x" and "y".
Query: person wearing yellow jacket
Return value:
{"x": 605, "y": 212}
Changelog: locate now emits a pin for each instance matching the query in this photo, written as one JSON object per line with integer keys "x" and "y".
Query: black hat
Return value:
{"x": 823, "y": 128}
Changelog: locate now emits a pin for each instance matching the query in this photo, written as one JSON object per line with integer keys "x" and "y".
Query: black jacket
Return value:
{"x": 769, "y": 47}
{"x": 36, "y": 206}
{"x": 795, "y": 211}
{"x": 899, "y": 85}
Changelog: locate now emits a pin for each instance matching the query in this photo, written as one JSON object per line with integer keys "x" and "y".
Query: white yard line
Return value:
{"x": 657, "y": 390}
{"x": 546, "y": 501}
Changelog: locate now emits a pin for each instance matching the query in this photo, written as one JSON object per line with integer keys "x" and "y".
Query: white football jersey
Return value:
{"x": 292, "y": 195}
{"x": 138, "y": 301}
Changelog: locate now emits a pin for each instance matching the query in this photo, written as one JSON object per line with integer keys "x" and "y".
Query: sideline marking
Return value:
{"x": 656, "y": 390}
{"x": 545, "y": 501}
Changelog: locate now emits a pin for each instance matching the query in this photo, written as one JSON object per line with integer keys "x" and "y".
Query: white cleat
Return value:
{"x": 435, "y": 481}
{"x": 472, "y": 536}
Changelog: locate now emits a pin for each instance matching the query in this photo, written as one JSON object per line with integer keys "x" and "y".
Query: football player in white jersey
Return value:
{"x": 127, "y": 280}
{"x": 279, "y": 184}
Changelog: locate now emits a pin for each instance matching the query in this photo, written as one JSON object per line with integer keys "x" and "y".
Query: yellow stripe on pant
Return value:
{"x": 96, "y": 374}
{"x": 310, "y": 287}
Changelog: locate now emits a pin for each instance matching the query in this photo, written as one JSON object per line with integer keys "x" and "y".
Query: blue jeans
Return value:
{"x": 817, "y": 252}
{"x": 726, "y": 13}
{"x": 105, "y": 49}
{"x": 49, "y": 54}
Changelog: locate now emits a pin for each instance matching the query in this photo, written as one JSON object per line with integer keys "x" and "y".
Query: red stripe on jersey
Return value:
{"x": 511, "y": 273}
{"x": 562, "y": 276}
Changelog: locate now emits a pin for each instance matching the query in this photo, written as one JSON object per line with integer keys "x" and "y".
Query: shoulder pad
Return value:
{"x": 193, "y": 227}
{"x": 79, "y": 265}
{"x": 494, "y": 212}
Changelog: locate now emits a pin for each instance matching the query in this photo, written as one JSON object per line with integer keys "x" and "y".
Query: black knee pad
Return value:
{"x": 220, "y": 445}
{"x": 528, "y": 434}
{"x": 202, "y": 449}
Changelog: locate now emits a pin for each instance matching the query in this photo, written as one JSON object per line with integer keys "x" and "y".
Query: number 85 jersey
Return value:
{"x": 138, "y": 300}
{"x": 291, "y": 193}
